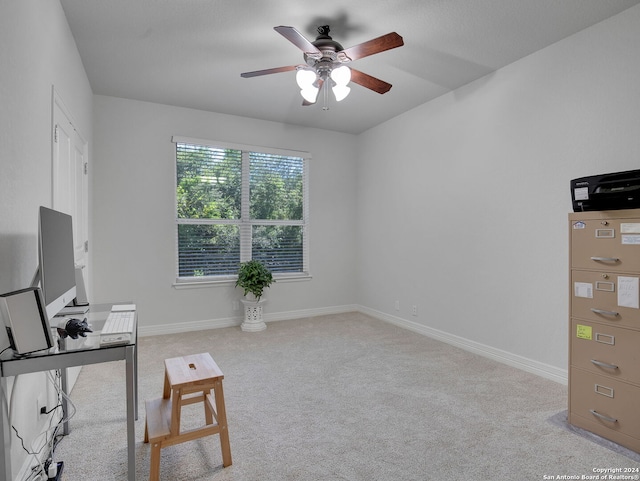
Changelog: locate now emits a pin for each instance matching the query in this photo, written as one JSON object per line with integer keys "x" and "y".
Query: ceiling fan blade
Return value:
{"x": 377, "y": 45}
{"x": 257, "y": 73}
{"x": 297, "y": 39}
{"x": 369, "y": 82}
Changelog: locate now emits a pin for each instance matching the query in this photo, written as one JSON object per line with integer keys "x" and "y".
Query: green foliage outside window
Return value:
{"x": 211, "y": 227}
{"x": 208, "y": 184}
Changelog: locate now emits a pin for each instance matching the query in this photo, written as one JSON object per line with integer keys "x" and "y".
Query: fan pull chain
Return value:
{"x": 325, "y": 92}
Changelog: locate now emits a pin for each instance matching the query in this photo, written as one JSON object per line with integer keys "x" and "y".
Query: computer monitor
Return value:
{"x": 56, "y": 258}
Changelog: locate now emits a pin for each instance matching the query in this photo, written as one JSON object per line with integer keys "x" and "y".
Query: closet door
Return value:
{"x": 70, "y": 179}
{"x": 70, "y": 192}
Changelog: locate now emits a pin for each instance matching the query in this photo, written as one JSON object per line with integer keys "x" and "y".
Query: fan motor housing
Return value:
{"x": 327, "y": 46}
{"x": 324, "y": 42}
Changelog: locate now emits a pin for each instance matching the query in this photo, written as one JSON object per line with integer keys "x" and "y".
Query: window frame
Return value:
{"x": 244, "y": 223}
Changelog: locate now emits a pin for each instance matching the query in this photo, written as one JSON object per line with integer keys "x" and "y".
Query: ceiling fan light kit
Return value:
{"x": 325, "y": 61}
{"x": 310, "y": 82}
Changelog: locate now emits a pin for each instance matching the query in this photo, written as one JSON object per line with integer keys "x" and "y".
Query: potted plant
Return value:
{"x": 253, "y": 278}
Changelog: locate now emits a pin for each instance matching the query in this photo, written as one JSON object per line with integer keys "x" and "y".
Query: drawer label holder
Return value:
{"x": 605, "y": 338}
{"x": 604, "y": 390}
{"x": 605, "y": 233}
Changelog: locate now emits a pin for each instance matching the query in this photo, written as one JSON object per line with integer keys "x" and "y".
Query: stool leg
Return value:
{"x": 166, "y": 388}
{"x": 222, "y": 423}
{"x": 176, "y": 411}
{"x": 154, "y": 470}
{"x": 208, "y": 415}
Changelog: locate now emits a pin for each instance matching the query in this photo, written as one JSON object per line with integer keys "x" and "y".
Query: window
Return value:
{"x": 236, "y": 203}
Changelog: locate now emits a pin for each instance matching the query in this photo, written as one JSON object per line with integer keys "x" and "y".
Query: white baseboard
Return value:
{"x": 175, "y": 327}
{"x": 540, "y": 369}
{"x": 236, "y": 321}
{"x": 529, "y": 365}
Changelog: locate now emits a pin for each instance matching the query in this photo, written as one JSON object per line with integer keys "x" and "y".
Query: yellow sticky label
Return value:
{"x": 584, "y": 332}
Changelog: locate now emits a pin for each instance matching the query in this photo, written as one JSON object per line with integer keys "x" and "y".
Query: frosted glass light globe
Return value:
{"x": 310, "y": 94}
{"x": 341, "y": 92}
{"x": 305, "y": 78}
{"x": 341, "y": 75}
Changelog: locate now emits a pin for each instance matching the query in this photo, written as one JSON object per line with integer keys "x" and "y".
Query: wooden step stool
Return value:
{"x": 187, "y": 380}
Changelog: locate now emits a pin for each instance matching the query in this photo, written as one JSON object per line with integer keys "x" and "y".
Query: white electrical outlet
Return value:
{"x": 397, "y": 305}
{"x": 414, "y": 310}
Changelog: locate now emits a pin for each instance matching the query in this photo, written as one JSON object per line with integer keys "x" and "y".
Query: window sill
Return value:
{"x": 197, "y": 284}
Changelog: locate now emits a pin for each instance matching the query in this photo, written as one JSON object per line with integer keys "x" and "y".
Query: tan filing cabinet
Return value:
{"x": 604, "y": 325}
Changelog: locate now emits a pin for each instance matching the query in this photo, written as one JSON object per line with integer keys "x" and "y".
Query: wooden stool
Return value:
{"x": 187, "y": 380}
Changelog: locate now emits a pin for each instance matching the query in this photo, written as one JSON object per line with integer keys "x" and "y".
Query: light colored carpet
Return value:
{"x": 342, "y": 397}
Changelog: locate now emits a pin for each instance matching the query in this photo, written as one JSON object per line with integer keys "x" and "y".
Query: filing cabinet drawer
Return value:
{"x": 591, "y": 424}
{"x": 606, "y": 402}
{"x": 612, "y": 245}
{"x": 595, "y": 296}
{"x": 607, "y": 350}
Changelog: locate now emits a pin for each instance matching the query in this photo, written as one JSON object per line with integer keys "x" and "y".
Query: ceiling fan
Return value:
{"x": 325, "y": 61}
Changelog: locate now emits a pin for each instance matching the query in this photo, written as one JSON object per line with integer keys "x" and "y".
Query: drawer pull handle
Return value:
{"x": 604, "y": 313}
{"x": 604, "y": 364}
{"x": 605, "y": 259}
{"x": 602, "y": 416}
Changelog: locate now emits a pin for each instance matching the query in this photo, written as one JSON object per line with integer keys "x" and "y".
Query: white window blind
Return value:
{"x": 236, "y": 203}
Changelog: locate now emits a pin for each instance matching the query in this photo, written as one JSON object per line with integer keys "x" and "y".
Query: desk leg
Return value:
{"x": 132, "y": 392}
{"x": 5, "y": 429}
{"x": 135, "y": 375}
{"x": 64, "y": 385}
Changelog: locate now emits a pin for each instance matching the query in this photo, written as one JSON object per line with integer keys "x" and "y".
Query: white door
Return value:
{"x": 70, "y": 191}
{"x": 70, "y": 179}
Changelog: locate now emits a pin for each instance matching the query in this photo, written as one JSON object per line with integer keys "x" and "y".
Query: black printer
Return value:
{"x": 618, "y": 190}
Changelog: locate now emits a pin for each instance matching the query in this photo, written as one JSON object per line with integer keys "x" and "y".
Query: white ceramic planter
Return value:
{"x": 253, "y": 321}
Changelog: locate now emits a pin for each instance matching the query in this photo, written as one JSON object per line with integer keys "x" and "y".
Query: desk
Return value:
{"x": 71, "y": 353}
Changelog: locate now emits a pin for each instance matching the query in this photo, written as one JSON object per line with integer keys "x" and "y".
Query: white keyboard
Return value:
{"x": 119, "y": 322}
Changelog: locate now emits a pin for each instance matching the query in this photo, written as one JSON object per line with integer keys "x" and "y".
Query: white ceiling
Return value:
{"x": 190, "y": 53}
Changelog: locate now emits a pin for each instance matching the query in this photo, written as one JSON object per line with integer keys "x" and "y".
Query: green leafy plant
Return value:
{"x": 253, "y": 277}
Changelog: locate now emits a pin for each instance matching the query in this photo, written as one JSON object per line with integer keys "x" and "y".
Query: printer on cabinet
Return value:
{"x": 615, "y": 191}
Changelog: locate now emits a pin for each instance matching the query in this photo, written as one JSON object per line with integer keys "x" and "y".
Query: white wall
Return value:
{"x": 133, "y": 246}
{"x": 37, "y": 51}
{"x": 463, "y": 201}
